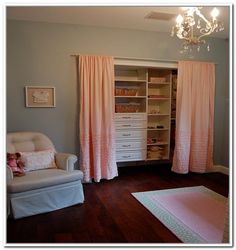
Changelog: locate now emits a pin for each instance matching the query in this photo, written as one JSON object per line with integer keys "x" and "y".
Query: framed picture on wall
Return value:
{"x": 40, "y": 97}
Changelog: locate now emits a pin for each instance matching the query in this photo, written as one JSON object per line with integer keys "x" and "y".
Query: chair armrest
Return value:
{"x": 66, "y": 161}
{"x": 9, "y": 174}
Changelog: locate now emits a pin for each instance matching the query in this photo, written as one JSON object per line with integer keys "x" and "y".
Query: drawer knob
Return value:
{"x": 126, "y": 134}
{"x": 126, "y": 156}
{"x": 126, "y": 146}
{"x": 126, "y": 125}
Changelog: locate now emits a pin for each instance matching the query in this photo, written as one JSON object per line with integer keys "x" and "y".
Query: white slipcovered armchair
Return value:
{"x": 43, "y": 190}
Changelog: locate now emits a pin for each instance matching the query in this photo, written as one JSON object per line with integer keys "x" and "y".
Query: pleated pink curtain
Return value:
{"x": 97, "y": 132}
{"x": 194, "y": 117}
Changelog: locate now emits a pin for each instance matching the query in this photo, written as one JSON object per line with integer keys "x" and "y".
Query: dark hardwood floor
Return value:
{"x": 110, "y": 214}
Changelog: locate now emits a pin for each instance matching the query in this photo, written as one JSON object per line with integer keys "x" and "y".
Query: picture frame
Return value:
{"x": 40, "y": 97}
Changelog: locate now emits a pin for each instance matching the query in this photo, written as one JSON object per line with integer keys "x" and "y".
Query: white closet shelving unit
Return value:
{"x": 142, "y": 110}
{"x": 158, "y": 114}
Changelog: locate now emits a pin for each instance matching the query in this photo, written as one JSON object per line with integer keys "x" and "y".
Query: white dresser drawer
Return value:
{"x": 131, "y": 134}
{"x": 130, "y": 116}
{"x": 131, "y": 124}
{"x": 135, "y": 155}
{"x": 127, "y": 145}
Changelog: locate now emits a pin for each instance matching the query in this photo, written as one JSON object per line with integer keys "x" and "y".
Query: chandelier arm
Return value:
{"x": 201, "y": 15}
{"x": 184, "y": 38}
{"x": 205, "y": 34}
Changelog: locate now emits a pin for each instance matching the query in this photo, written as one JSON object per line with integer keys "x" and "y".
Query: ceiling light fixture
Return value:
{"x": 192, "y": 26}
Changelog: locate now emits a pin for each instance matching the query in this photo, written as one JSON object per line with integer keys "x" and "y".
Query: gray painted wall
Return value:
{"x": 39, "y": 54}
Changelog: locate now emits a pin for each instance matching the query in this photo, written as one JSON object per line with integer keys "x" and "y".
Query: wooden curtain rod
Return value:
{"x": 136, "y": 58}
{"x": 144, "y": 59}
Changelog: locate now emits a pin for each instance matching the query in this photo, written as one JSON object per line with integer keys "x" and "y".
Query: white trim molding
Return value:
{"x": 221, "y": 169}
{"x": 142, "y": 62}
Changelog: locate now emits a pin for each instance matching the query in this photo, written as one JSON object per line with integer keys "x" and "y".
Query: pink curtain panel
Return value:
{"x": 194, "y": 117}
{"x": 97, "y": 129}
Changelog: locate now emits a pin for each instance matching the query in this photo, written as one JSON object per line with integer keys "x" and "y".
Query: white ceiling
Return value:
{"x": 128, "y": 17}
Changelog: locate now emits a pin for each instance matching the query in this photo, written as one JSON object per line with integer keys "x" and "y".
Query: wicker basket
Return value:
{"x": 126, "y": 91}
{"x": 126, "y": 108}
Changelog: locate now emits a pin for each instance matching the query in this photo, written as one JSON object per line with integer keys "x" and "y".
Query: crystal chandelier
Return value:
{"x": 193, "y": 26}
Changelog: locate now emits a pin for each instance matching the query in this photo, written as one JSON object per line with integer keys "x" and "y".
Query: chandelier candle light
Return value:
{"x": 192, "y": 26}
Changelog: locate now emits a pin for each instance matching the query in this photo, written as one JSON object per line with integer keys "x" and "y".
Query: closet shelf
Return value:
{"x": 158, "y": 144}
{"x": 129, "y": 96}
{"x": 158, "y": 129}
{"x": 155, "y": 83}
{"x": 157, "y": 159}
{"x": 159, "y": 114}
{"x": 158, "y": 98}
{"x": 130, "y": 80}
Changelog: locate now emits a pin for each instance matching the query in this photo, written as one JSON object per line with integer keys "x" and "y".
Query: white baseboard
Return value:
{"x": 220, "y": 168}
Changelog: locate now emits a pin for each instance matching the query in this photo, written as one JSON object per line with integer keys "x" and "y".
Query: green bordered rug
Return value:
{"x": 194, "y": 214}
